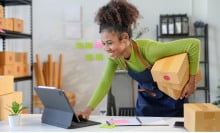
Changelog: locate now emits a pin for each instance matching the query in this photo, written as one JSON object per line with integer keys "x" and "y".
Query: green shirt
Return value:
{"x": 151, "y": 51}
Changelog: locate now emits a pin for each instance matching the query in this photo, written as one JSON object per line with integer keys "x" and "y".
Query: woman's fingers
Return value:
{"x": 188, "y": 90}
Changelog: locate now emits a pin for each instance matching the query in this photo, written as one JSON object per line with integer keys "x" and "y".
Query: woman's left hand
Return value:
{"x": 189, "y": 88}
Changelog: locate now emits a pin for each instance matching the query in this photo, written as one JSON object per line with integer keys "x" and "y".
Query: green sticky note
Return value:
{"x": 89, "y": 45}
{"x": 99, "y": 57}
{"x": 108, "y": 126}
{"x": 89, "y": 57}
{"x": 79, "y": 45}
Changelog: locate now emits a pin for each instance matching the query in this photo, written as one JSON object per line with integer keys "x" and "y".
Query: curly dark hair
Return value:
{"x": 118, "y": 16}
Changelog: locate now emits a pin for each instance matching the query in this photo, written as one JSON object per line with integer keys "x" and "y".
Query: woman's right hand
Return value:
{"x": 85, "y": 114}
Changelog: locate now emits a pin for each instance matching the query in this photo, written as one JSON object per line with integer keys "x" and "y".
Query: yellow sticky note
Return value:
{"x": 89, "y": 57}
{"x": 79, "y": 45}
{"x": 89, "y": 45}
{"x": 99, "y": 57}
{"x": 108, "y": 126}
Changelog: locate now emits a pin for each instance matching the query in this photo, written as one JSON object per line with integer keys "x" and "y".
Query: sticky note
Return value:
{"x": 88, "y": 45}
{"x": 119, "y": 121}
{"x": 98, "y": 45}
{"x": 89, "y": 57}
{"x": 79, "y": 45}
{"x": 108, "y": 126}
{"x": 99, "y": 57}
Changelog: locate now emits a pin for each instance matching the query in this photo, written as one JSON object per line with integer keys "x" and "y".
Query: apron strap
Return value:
{"x": 139, "y": 54}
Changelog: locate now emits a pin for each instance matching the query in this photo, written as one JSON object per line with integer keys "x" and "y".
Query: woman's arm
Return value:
{"x": 101, "y": 90}
{"x": 156, "y": 50}
{"x": 191, "y": 46}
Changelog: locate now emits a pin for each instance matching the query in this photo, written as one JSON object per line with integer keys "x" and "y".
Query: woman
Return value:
{"x": 116, "y": 20}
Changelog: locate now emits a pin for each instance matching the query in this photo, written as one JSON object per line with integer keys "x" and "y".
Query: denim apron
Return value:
{"x": 151, "y": 101}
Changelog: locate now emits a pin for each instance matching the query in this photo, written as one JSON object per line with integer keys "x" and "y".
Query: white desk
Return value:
{"x": 32, "y": 123}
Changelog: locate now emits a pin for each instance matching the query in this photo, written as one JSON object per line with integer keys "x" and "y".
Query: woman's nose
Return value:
{"x": 106, "y": 48}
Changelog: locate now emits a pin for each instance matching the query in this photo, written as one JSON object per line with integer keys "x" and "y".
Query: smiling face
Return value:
{"x": 115, "y": 47}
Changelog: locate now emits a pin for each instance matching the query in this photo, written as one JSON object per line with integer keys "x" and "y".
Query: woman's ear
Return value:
{"x": 125, "y": 36}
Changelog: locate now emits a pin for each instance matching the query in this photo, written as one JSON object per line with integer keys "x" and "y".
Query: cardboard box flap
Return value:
{"x": 173, "y": 67}
{"x": 205, "y": 107}
{"x": 170, "y": 69}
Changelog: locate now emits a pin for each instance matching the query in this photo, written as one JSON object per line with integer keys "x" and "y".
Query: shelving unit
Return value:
{"x": 204, "y": 64}
{"x": 18, "y": 35}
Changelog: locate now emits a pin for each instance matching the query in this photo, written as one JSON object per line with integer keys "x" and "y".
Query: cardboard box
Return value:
{"x": 7, "y": 69}
{"x": 2, "y": 23}
{"x": 7, "y": 58}
{"x": 204, "y": 117}
{"x": 26, "y": 71}
{"x": 21, "y": 57}
{"x": 6, "y": 100}
{"x": 170, "y": 69}
{"x": 16, "y": 69}
{"x": 198, "y": 76}
{"x": 1, "y": 11}
{"x": 172, "y": 73}
{"x": 18, "y": 25}
{"x": 21, "y": 70}
{"x": 8, "y": 24}
{"x": 6, "y": 84}
{"x": 174, "y": 90}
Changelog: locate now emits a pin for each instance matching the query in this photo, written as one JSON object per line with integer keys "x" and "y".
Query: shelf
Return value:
{"x": 14, "y": 35}
{"x": 204, "y": 62}
{"x": 202, "y": 88}
{"x": 18, "y": 35}
{"x": 23, "y": 78}
{"x": 15, "y": 2}
{"x": 181, "y": 35}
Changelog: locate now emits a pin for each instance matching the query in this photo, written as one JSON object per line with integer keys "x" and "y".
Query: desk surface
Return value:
{"x": 32, "y": 123}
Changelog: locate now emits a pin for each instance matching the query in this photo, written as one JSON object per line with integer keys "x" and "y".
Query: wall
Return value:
{"x": 214, "y": 47}
{"x": 82, "y": 77}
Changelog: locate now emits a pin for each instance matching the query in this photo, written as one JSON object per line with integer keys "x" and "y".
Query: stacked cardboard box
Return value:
{"x": 7, "y": 95}
{"x": 1, "y": 11}
{"x": 14, "y": 63}
{"x": 201, "y": 117}
{"x": 21, "y": 65}
{"x": 11, "y": 24}
{"x": 7, "y": 60}
{"x": 171, "y": 74}
{"x": 17, "y": 24}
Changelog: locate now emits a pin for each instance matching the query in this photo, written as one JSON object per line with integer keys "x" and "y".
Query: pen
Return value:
{"x": 139, "y": 120}
{"x": 108, "y": 123}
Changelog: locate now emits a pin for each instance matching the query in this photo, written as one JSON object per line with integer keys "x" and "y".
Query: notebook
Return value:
{"x": 57, "y": 109}
{"x": 138, "y": 121}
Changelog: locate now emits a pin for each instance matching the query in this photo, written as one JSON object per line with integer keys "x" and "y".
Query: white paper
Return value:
{"x": 153, "y": 121}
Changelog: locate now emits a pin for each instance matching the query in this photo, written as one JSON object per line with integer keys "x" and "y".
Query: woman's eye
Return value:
{"x": 109, "y": 43}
